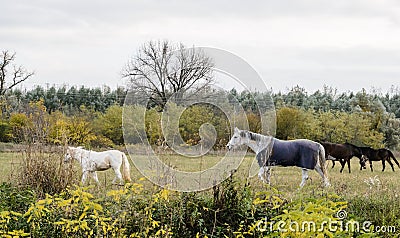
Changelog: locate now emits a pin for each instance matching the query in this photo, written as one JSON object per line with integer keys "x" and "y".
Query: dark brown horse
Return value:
{"x": 379, "y": 155}
{"x": 343, "y": 153}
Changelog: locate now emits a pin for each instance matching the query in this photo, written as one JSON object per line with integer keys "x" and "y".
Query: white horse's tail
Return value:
{"x": 125, "y": 168}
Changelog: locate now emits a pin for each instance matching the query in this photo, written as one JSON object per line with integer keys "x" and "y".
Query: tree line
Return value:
{"x": 66, "y": 99}
{"x": 93, "y": 116}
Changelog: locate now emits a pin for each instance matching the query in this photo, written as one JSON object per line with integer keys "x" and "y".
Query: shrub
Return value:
{"x": 18, "y": 121}
{"x": 109, "y": 124}
{"x": 43, "y": 170}
{"x": 4, "y": 132}
{"x": 379, "y": 209}
{"x": 230, "y": 210}
{"x": 15, "y": 199}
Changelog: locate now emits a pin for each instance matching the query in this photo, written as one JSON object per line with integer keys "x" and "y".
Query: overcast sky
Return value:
{"x": 342, "y": 43}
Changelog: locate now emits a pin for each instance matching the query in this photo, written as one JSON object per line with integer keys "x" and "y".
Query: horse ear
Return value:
{"x": 237, "y": 130}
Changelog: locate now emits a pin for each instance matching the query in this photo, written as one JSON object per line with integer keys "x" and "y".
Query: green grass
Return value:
{"x": 288, "y": 179}
{"x": 9, "y": 163}
{"x": 285, "y": 179}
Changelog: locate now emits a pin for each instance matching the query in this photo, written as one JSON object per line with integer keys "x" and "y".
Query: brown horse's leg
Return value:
{"x": 333, "y": 164}
{"x": 370, "y": 165}
{"x": 383, "y": 165}
{"x": 348, "y": 164}
{"x": 394, "y": 158}
{"x": 390, "y": 162}
{"x": 342, "y": 163}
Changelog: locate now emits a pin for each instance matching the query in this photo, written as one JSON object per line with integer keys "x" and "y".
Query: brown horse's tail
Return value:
{"x": 125, "y": 169}
{"x": 392, "y": 156}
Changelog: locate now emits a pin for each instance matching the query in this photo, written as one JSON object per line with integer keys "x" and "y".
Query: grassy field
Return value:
{"x": 285, "y": 179}
{"x": 9, "y": 162}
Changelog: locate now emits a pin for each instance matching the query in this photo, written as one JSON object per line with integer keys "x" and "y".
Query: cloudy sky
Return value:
{"x": 345, "y": 44}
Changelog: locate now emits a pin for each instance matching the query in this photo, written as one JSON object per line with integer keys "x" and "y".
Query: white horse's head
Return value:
{"x": 238, "y": 138}
{"x": 70, "y": 154}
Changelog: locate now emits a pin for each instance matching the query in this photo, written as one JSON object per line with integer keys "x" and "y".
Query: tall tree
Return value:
{"x": 10, "y": 78}
{"x": 161, "y": 69}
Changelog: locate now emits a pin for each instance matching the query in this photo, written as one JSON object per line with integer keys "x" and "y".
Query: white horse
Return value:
{"x": 92, "y": 161}
{"x": 270, "y": 151}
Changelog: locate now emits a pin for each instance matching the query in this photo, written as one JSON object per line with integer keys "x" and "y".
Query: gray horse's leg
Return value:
{"x": 261, "y": 174}
{"x": 265, "y": 174}
{"x": 268, "y": 173}
{"x": 324, "y": 178}
{"x": 304, "y": 176}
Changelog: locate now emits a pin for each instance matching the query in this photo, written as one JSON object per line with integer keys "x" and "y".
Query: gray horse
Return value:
{"x": 270, "y": 151}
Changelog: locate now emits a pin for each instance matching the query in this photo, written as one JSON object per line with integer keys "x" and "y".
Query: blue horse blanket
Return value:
{"x": 300, "y": 153}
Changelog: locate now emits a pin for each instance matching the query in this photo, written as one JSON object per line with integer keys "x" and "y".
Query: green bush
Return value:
{"x": 4, "y": 132}
{"x": 15, "y": 199}
{"x": 379, "y": 209}
{"x": 231, "y": 209}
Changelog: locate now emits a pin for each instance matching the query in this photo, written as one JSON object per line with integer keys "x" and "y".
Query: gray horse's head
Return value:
{"x": 238, "y": 138}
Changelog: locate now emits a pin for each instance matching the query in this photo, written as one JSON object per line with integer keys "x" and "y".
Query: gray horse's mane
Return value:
{"x": 253, "y": 136}
{"x": 262, "y": 141}
{"x": 264, "y": 144}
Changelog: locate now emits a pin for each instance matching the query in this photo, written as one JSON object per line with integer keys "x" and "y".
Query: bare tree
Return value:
{"x": 9, "y": 78}
{"x": 161, "y": 69}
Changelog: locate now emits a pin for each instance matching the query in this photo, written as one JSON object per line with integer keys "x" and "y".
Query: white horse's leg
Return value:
{"x": 118, "y": 176}
{"x": 94, "y": 176}
{"x": 261, "y": 174}
{"x": 84, "y": 176}
{"x": 304, "y": 177}
{"x": 324, "y": 179}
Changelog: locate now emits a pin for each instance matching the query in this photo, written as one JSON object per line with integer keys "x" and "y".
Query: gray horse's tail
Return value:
{"x": 322, "y": 160}
{"x": 125, "y": 168}
{"x": 391, "y": 155}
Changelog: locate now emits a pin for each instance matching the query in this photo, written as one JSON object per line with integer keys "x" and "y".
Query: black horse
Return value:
{"x": 379, "y": 155}
{"x": 343, "y": 153}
